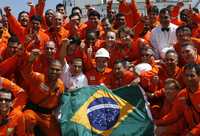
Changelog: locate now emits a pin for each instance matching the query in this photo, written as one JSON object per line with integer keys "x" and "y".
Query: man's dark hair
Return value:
{"x": 94, "y": 13}
{"x": 76, "y": 8}
{"x": 171, "y": 51}
{"x": 173, "y": 81}
{"x": 74, "y": 14}
{"x": 164, "y": 11}
{"x": 60, "y": 5}
{"x": 13, "y": 39}
{"x": 154, "y": 9}
{"x": 36, "y": 18}
{"x": 75, "y": 40}
{"x": 183, "y": 28}
{"x": 193, "y": 66}
{"x": 118, "y": 15}
{"x": 22, "y": 12}
{"x": 196, "y": 10}
{"x": 48, "y": 10}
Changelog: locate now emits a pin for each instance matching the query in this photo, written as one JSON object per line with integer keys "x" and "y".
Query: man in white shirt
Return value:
{"x": 72, "y": 75}
{"x": 164, "y": 35}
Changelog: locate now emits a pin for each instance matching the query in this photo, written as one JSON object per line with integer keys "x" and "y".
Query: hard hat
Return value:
{"x": 142, "y": 67}
{"x": 102, "y": 53}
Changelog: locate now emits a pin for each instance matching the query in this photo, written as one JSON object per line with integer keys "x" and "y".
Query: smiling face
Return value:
{"x": 24, "y": 19}
{"x": 49, "y": 15}
{"x": 76, "y": 66}
{"x": 110, "y": 38}
{"x": 189, "y": 54}
{"x": 191, "y": 79}
{"x": 50, "y": 49}
{"x": 164, "y": 18}
{"x": 54, "y": 71}
{"x": 5, "y": 102}
{"x": 58, "y": 20}
{"x": 101, "y": 63}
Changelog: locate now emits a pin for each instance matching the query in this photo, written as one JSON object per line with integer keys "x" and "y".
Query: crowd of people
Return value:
{"x": 42, "y": 55}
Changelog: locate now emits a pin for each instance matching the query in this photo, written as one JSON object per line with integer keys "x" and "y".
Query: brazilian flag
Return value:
{"x": 98, "y": 111}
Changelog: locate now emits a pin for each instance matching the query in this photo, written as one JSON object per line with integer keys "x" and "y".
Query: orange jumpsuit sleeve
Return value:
{"x": 175, "y": 11}
{"x": 18, "y": 92}
{"x": 138, "y": 28}
{"x": 32, "y": 11}
{"x": 135, "y": 11}
{"x": 40, "y": 7}
{"x": 3, "y": 47}
{"x": 173, "y": 115}
{"x": 8, "y": 66}
{"x": 125, "y": 9}
{"x": 16, "y": 27}
{"x": 20, "y": 123}
{"x": 148, "y": 5}
{"x": 196, "y": 18}
{"x": 29, "y": 74}
{"x": 196, "y": 130}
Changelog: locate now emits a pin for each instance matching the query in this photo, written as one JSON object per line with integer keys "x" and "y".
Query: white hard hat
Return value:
{"x": 142, "y": 67}
{"x": 102, "y": 53}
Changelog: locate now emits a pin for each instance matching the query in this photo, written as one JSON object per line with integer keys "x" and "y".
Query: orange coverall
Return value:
{"x": 187, "y": 106}
{"x": 96, "y": 78}
{"x": 126, "y": 79}
{"x": 42, "y": 101}
{"x": 14, "y": 124}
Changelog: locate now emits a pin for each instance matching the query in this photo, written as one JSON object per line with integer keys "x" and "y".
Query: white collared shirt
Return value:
{"x": 73, "y": 82}
{"x": 162, "y": 39}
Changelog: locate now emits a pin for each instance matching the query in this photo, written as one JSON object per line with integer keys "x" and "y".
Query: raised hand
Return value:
{"x": 7, "y": 10}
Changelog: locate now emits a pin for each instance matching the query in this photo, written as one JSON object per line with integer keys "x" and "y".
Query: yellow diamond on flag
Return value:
{"x": 102, "y": 112}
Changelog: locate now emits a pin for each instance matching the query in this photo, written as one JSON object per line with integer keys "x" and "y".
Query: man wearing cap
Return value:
{"x": 11, "y": 119}
{"x": 101, "y": 73}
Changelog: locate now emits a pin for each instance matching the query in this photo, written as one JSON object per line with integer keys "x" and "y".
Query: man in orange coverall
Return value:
{"x": 43, "y": 95}
{"x": 187, "y": 103}
{"x": 121, "y": 76}
{"x": 170, "y": 90}
{"x": 11, "y": 119}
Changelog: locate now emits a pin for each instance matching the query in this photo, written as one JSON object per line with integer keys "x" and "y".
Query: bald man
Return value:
{"x": 44, "y": 93}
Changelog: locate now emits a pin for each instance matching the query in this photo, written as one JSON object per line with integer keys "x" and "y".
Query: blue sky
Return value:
{"x": 19, "y": 5}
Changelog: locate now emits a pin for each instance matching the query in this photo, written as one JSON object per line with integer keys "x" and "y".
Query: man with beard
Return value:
{"x": 120, "y": 76}
{"x": 43, "y": 96}
{"x": 101, "y": 73}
